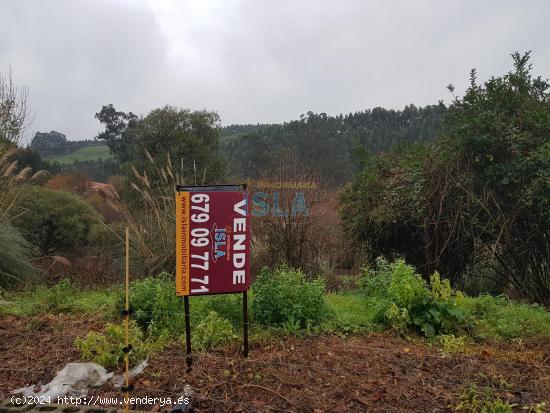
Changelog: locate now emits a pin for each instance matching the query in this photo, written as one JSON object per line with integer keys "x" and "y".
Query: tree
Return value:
{"x": 475, "y": 203}
{"x": 55, "y": 221}
{"x": 118, "y": 131}
{"x": 287, "y": 225}
{"x": 52, "y": 142}
{"x": 190, "y": 138}
{"x": 332, "y": 145}
{"x": 14, "y": 113}
{"x": 500, "y": 133}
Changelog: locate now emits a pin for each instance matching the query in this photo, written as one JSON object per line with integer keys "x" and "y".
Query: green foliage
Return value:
{"x": 213, "y": 331}
{"x": 476, "y": 199}
{"x": 351, "y": 312}
{"x": 229, "y": 306}
{"x": 189, "y": 137}
{"x": 106, "y": 349}
{"x": 409, "y": 302}
{"x": 407, "y": 289}
{"x": 332, "y": 145}
{"x": 482, "y": 400}
{"x": 31, "y": 158}
{"x": 383, "y": 209}
{"x": 434, "y": 317}
{"x": 500, "y": 318}
{"x": 453, "y": 345}
{"x": 155, "y": 304}
{"x": 375, "y": 281}
{"x": 474, "y": 399}
{"x": 99, "y": 166}
{"x": 284, "y": 298}
{"x": 500, "y": 131}
{"x": 442, "y": 290}
{"x": 15, "y": 255}
{"x": 59, "y": 297}
{"x": 401, "y": 299}
{"x": 54, "y": 220}
{"x": 158, "y": 310}
{"x": 52, "y": 142}
{"x": 63, "y": 297}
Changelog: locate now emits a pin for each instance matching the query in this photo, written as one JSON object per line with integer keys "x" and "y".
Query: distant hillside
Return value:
{"x": 232, "y": 133}
{"x": 330, "y": 145}
{"x": 87, "y": 153}
{"x": 51, "y": 144}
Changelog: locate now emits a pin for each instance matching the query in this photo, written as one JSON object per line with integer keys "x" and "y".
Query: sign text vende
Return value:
{"x": 212, "y": 241}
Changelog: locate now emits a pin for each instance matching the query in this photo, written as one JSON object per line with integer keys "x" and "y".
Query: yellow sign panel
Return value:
{"x": 182, "y": 243}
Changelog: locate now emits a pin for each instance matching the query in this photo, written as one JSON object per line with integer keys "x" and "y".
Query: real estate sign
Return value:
{"x": 212, "y": 239}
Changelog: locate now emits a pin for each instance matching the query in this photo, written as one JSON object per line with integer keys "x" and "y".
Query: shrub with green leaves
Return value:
{"x": 376, "y": 279}
{"x": 158, "y": 310}
{"x": 212, "y": 331}
{"x": 106, "y": 348}
{"x": 228, "y": 306}
{"x": 482, "y": 400}
{"x": 453, "y": 345}
{"x": 406, "y": 289}
{"x": 54, "y": 220}
{"x": 409, "y": 301}
{"x": 155, "y": 304}
{"x": 58, "y": 298}
{"x": 283, "y": 297}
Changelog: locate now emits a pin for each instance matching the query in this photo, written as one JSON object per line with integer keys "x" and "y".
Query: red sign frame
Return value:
{"x": 212, "y": 240}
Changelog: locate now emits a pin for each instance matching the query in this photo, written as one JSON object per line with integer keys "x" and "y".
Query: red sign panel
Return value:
{"x": 212, "y": 240}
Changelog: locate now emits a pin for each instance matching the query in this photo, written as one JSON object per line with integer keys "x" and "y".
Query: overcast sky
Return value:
{"x": 256, "y": 60}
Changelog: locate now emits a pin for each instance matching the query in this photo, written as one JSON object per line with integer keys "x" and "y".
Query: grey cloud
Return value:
{"x": 256, "y": 60}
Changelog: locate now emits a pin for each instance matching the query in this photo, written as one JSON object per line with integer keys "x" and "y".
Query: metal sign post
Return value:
{"x": 245, "y": 323}
{"x": 188, "y": 357}
{"x": 212, "y": 246}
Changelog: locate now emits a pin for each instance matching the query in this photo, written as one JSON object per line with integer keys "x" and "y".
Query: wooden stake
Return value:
{"x": 127, "y": 319}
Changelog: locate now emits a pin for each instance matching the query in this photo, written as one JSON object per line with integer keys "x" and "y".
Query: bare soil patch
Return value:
{"x": 374, "y": 373}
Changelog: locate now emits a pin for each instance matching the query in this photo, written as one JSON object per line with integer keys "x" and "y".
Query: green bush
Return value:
{"x": 58, "y": 298}
{"x": 55, "y": 220}
{"x": 155, "y": 304}
{"x": 109, "y": 237}
{"x": 106, "y": 349}
{"x": 409, "y": 303}
{"x": 15, "y": 254}
{"x": 482, "y": 400}
{"x": 453, "y": 345}
{"x": 284, "y": 298}
{"x": 375, "y": 281}
{"x": 158, "y": 310}
{"x": 213, "y": 331}
{"x": 407, "y": 289}
{"x": 229, "y": 306}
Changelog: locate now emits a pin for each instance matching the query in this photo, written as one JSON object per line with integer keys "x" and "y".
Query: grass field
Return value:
{"x": 352, "y": 363}
{"x": 89, "y": 153}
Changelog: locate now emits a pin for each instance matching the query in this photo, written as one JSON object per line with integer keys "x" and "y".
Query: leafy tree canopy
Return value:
{"x": 475, "y": 203}
{"x": 48, "y": 141}
{"x": 333, "y": 145}
{"x": 189, "y": 137}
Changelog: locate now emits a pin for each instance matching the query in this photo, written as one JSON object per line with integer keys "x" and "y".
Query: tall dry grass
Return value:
{"x": 153, "y": 226}
{"x": 15, "y": 251}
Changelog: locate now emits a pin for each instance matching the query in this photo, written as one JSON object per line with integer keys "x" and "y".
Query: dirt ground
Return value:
{"x": 360, "y": 373}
